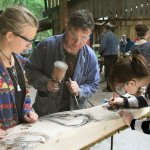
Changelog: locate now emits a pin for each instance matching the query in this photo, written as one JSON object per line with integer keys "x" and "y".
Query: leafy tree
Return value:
{"x": 35, "y": 6}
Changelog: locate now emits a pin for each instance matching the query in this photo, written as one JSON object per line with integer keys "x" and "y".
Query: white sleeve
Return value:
{"x": 137, "y": 101}
{"x": 132, "y": 100}
{"x": 138, "y": 125}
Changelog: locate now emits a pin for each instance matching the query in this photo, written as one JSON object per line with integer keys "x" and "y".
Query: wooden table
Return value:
{"x": 72, "y": 130}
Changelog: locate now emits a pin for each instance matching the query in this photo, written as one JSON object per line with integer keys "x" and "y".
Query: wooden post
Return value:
{"x": 63, "y": 14}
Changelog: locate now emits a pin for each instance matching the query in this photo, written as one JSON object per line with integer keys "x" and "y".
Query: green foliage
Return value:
{"x": 44, "y": 35}
{"x": 35, "y": 6}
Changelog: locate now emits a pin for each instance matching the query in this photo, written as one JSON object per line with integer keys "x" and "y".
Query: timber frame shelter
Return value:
{"x": 124, "y": 14}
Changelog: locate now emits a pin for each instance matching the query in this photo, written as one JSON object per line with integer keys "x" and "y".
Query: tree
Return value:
{"x": 35, "y": 6}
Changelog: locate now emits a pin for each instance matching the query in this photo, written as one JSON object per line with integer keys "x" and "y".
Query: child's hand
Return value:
{"x": 127, "y": 116}
{"x": 116, "y": 102}
{"x": 31, "y": 117}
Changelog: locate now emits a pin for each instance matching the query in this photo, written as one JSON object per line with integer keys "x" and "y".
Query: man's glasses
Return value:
{"x": 24, "y": 38}
{"x": 82, "y": 39}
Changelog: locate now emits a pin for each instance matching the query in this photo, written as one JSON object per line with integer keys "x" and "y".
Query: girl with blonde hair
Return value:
{"x": 18, "y": 27}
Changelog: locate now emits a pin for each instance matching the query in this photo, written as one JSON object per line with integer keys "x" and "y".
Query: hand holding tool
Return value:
{"x": 74, "y": 94}
{"x": 59, "y": 71}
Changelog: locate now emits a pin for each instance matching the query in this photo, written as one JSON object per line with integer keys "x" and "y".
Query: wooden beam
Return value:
{"x": 45, "y": 24}
{"x": 63, "y": 14}
{"x": 121, "y": 19}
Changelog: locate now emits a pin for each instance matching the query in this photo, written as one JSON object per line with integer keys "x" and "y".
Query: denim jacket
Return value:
{"x": 86, "y": 74}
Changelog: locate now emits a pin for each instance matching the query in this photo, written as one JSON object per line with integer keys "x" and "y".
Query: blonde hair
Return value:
{"x": 15, "y": 18}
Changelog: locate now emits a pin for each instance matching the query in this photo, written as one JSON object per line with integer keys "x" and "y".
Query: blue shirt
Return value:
{"x": 86, "y": 73}
{"x": 109, "y": 44}
{"x": 128, "y": 46}
{"x": 143, "y": 49}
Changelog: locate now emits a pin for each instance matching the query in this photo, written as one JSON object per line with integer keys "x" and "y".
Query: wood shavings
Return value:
{"x": 23, "y": 141}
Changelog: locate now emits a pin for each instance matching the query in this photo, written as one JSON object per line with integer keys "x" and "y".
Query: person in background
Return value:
{"x": 109, "y": 50}
{"x": 90, "y": 41}
{"x": 128, "y": 45}
{"x": 142, "y": 46}
{"x": 122, "y": 44}
{"x": 136, "y": 39}
{"x": 18, "y": 28}
{"x": 82, "y": 62}
{"x": 128, "y": 75}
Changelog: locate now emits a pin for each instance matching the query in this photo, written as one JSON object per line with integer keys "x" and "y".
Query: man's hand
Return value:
{"x": 31, "y": 117}
{"x": 52, "y": 86}
{"x": 2, "y": 134}
{"x": 73, "y": 87}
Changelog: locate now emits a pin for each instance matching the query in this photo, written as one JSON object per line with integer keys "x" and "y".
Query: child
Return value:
{"x": 128, "y": 75}
{"x": 18, "y": 27}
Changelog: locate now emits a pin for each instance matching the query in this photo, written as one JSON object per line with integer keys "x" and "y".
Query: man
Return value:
{"x": 122, "y": 44}
{"x": 83, "y": 70}
{"x": 129, "y": 44}
{"x": 109, "y": 50}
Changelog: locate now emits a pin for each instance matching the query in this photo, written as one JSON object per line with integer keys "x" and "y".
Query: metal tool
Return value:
{"x": 74, "y": 95}
{"x": 90, "y": 103}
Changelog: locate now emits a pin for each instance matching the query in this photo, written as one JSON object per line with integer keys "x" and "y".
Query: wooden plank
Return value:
{"x": 148, "y": 8}
{"x": 119, "y": 8}
{"x": 131, "y": 8}
{"x": 84, "y": 4}
{"x": 76, "y": 5}
{"x": 128, "y": 8}
{"x": 105, "y": 8}
{"x": 49, "y": 3}
{"x": 91, "y": 3}
{"x": 97, "y": 7}
{"x": 134, "y": 9}
{"x": 139, "y": 10}
{"x": 57, "y": 2}
{"x": 63, "y": 14}
{"x": 113, "y": 8}
{"x": 53, "y": 3}
{"x": 124, "y": 8}
{"x": 144, "y": 8}
{"x": 70, "y": 130}
{"x": 87, "y": 5}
